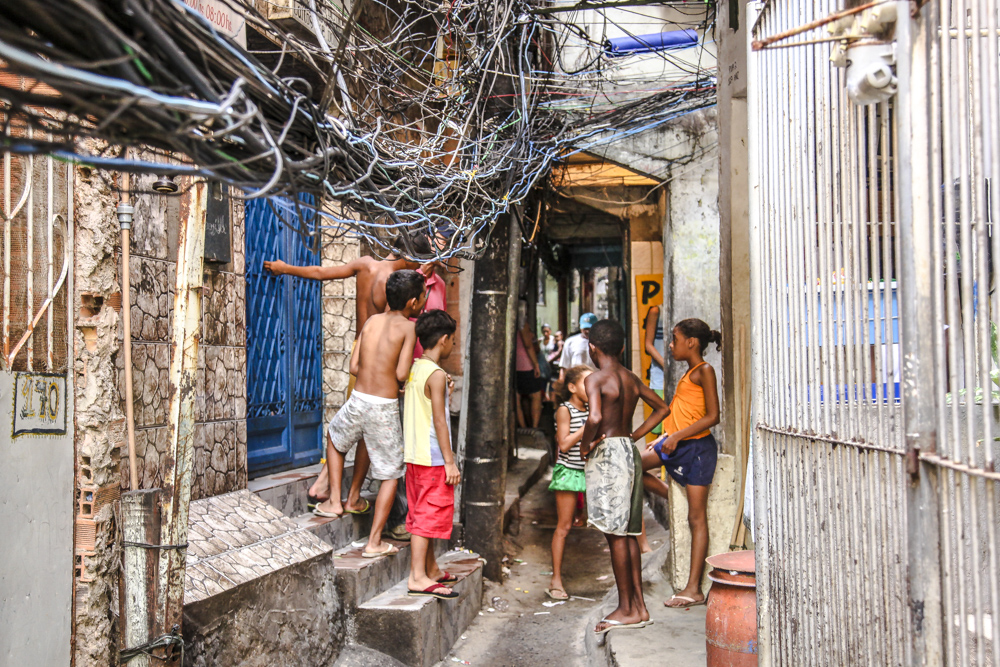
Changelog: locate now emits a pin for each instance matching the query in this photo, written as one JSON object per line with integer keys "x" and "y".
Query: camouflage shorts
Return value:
{"x": 614, "y": 487}
{"x": 379, "y": 425}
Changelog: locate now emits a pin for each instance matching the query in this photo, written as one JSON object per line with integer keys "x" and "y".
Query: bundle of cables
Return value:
{"x": 432, "y": 117}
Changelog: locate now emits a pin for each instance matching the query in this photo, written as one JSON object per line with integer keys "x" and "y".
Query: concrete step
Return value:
{"x": 289, "y": 490}
{"x": 337, "y": 532}
{"x": 420, "y": 631}
{"x": 359, "y": 579}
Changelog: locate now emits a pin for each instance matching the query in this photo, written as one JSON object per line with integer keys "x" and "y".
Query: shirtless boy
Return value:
{"x": 614, "y": 467}
{"x": 371, "y": 275}
{"x": 381, "y": 362}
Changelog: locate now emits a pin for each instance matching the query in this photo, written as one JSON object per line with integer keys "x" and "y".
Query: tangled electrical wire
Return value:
{"x": 414, "y": 115}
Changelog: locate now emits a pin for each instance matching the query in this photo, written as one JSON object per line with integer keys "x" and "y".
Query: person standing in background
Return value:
{"x": 547, "y": 347}
{"x": 529, "y": 381}
{"x": 576, "y": 350}
{"x": 653, "y": 341}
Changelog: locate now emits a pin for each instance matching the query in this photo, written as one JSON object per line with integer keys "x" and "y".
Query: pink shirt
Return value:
{"x": 437, "y": 299}
{"x": 437, "y": 293}
{"x": 522, "y": 360}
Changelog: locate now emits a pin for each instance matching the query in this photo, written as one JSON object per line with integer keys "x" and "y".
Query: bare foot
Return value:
{"x": 321, "y": 487}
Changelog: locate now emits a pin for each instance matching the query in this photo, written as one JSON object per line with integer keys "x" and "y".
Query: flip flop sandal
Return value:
{"x": 447, "y": 578}
{"x": 329, "y": 515}
{"x": 691, "y": 602}
{"x": 434, "y": 591}
{"x": 391, "y": 551}
{"x": 366, "y": 510}
{"x": 618, "y": 625}
{"x": 313, "y": 501}
{"x": 551, "y": 592}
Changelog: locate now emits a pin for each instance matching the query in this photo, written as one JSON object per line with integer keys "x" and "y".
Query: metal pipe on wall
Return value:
{"x": 125, "y": 211}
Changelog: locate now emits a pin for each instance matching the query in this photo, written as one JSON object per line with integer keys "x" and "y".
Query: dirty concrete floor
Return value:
{"x": 521, "y": 636}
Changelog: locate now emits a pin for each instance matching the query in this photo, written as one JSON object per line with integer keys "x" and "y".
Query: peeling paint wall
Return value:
{"x": 99, "y": 422}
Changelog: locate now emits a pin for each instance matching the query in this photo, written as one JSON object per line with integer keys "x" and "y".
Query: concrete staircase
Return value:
{"x": 372, "y": 592}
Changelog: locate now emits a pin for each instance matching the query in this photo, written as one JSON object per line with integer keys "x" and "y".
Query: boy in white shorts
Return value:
{"x": 381, "y": 362}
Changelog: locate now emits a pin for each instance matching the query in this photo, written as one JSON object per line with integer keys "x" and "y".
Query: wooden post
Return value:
{"x": 494, "y": 303}
{"x": 140, "y": 525}
{"x": 176, "y": 493}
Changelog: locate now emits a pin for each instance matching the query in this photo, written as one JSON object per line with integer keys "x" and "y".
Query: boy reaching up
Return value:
{"x": 431, "y": 473}
{"x": 614, "y": 468}
{"x": 381, "y": 362}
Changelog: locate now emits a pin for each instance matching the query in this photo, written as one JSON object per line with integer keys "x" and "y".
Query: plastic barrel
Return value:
{"x": 731, "y": 619}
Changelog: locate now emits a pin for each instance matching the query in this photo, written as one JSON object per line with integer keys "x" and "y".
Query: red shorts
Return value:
{"x": 431, "y": 502}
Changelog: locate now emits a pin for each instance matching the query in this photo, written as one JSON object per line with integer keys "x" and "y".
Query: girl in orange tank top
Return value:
{"x": 688, "y": 451}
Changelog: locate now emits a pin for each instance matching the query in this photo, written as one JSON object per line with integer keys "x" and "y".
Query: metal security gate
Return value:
{"x": 284, "y": 342}
{"x": 877, "y": 372}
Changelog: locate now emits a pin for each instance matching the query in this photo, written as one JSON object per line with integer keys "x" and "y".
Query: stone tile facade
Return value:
{"x": 236, "y": 537}
{"x": 339, "y": 321}
{"x": 259, "y": 588}
{"x": 220, "y": 435}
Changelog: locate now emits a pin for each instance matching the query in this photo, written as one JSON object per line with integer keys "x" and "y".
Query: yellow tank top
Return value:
{"x": 687, "y": 406}
{"x": 420, "y": 443}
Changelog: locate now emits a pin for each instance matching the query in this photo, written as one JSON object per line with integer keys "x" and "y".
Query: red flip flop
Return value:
{"x": 434, "y": 591}
{"x": 447, "y": 578}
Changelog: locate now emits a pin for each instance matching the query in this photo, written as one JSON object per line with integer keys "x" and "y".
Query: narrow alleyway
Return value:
{"x": 527, "y": 633}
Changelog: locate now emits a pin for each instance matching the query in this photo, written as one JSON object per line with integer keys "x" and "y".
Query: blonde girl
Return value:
{"x": 567, "y": 475}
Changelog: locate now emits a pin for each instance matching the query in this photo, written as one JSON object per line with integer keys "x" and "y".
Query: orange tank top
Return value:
{"x": 687, "y": 406}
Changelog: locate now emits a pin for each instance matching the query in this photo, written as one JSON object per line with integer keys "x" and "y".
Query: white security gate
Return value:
{"x": 877, "y": 376}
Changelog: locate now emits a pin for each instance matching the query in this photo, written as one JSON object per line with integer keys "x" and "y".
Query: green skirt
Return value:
{"x": 567, "y": 479}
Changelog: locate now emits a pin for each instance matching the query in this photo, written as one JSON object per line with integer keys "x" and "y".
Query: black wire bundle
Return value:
{"x": 432, "y": 117}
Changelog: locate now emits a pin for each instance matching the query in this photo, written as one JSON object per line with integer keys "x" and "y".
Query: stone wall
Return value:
{"x": 98, "y": 377}
{"x": 220, "y": 434}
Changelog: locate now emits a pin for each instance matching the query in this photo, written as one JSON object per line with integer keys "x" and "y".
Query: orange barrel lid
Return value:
{"x": 737, "y": 568}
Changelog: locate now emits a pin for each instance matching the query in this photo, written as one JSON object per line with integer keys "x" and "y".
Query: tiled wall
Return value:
{"x": 220, "y": 409}
{"x": 338, "y": 323}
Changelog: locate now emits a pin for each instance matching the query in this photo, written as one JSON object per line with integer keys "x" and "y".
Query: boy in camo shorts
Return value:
{"x": 381, "y": 362}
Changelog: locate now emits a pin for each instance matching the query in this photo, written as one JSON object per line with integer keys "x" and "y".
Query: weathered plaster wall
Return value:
{"x": 220, "y": 408}
{"x": 99, "y": 422}
{"x": 734, "y": 215}
{"x": 691, "y": 242}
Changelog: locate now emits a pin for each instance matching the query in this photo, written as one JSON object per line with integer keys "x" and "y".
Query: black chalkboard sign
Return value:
{"x": 218, "y": 235}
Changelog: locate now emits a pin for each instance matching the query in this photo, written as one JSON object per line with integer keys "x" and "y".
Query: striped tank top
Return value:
{"x": 572, "y": 458}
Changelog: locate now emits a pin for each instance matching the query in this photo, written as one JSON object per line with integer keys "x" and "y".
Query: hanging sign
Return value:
{"x": 223, "y": 18}
{"x": 40, "y": 403}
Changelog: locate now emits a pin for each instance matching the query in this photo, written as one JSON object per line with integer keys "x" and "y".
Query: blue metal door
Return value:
{"x": 284, "y": 343}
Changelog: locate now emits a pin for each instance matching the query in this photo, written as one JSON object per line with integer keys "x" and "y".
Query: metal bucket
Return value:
{"x": 731, "y": 619}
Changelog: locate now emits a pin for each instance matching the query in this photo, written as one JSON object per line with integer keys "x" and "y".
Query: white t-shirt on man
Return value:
{"x": 576, "y": 351}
